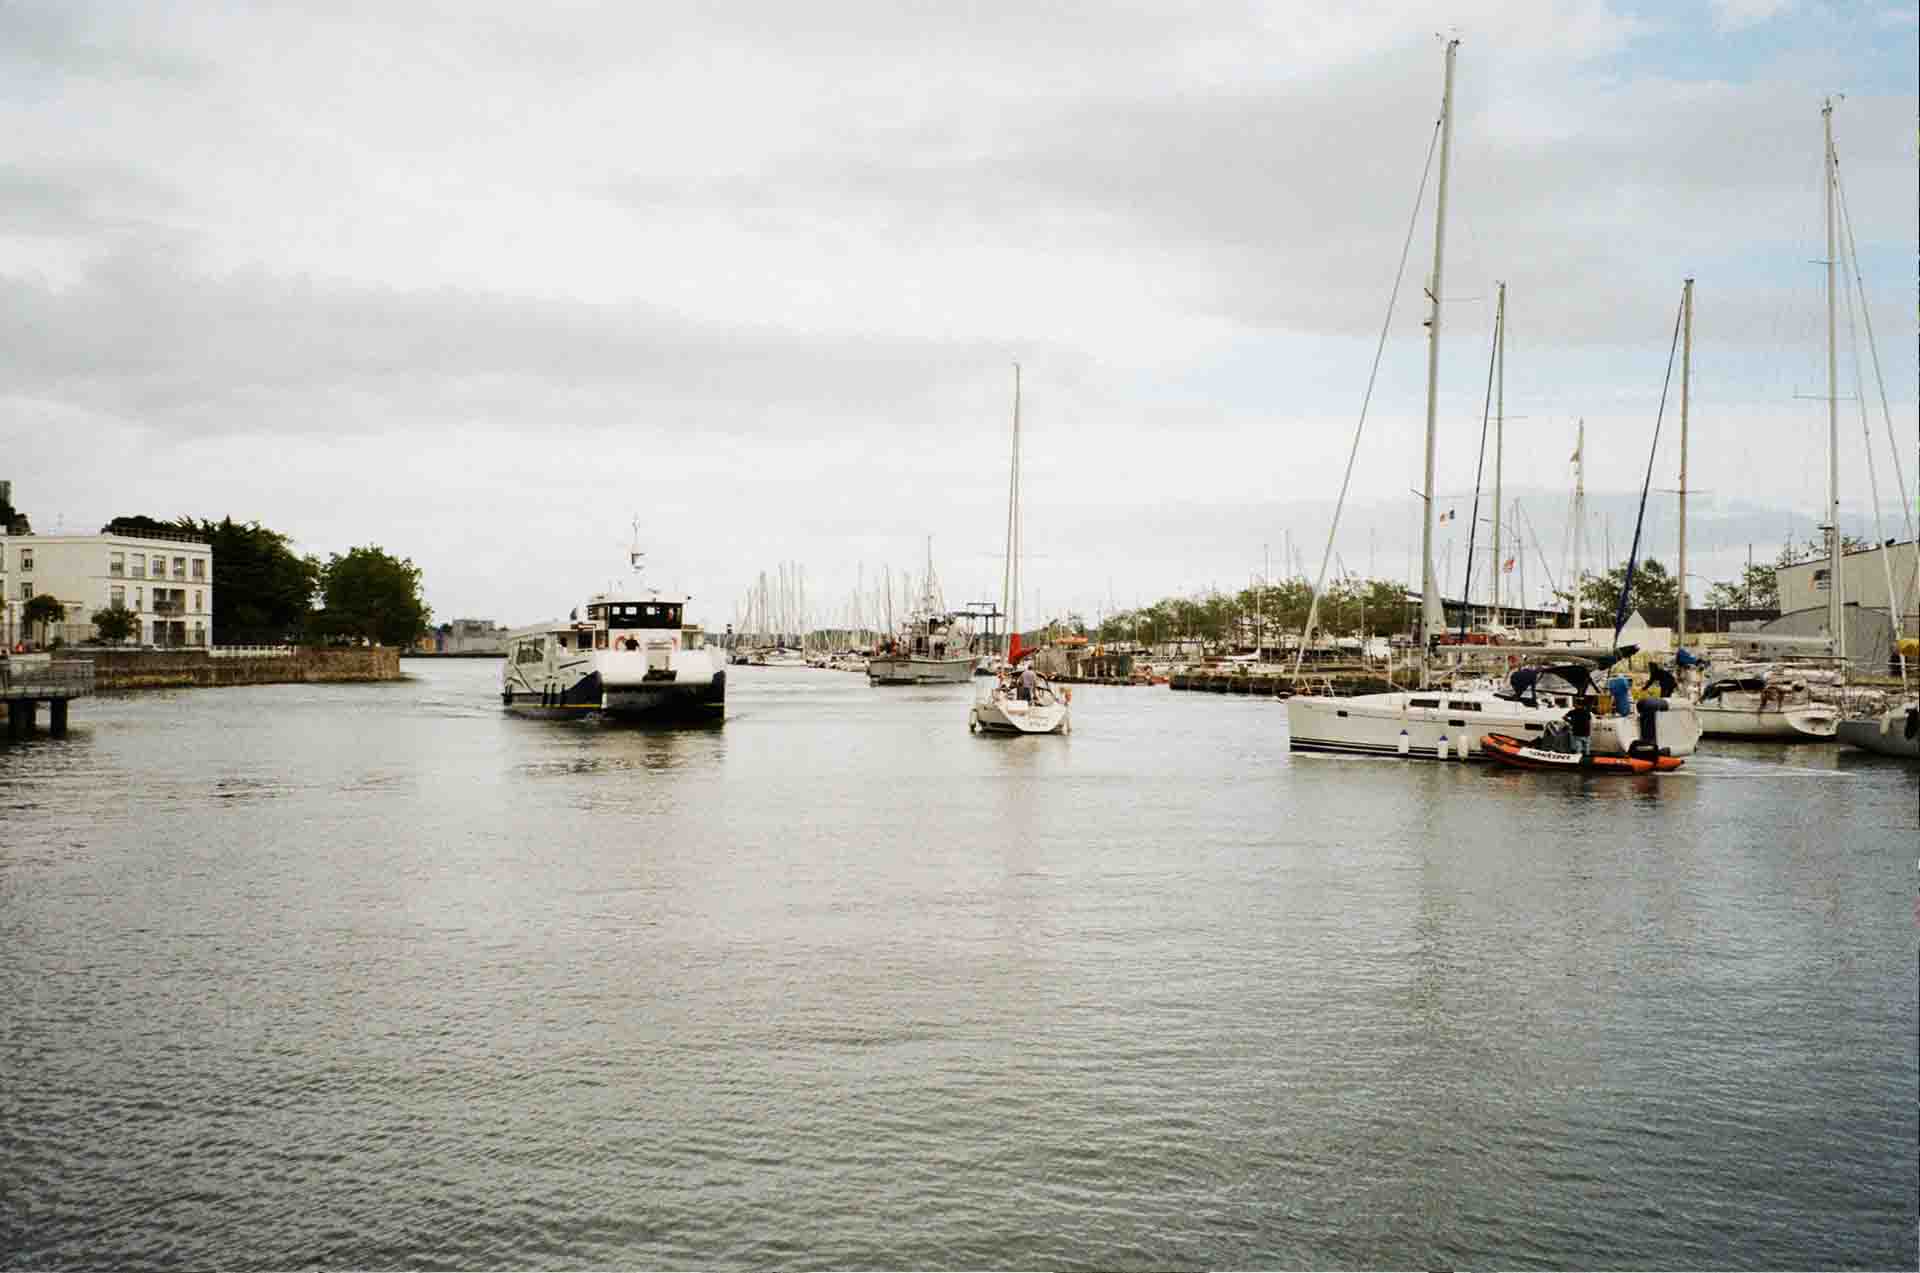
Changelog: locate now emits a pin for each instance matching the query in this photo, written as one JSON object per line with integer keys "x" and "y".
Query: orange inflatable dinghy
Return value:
{"x": 1521, "y": 754}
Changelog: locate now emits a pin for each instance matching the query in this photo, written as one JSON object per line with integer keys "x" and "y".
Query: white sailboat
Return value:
{"x": 1008, "y": 707}
{"x": 1448, "y": 724}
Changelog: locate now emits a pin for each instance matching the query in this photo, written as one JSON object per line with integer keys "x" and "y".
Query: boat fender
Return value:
{"x": 1406, "y": 744}
{"x": 1443, "y": 750}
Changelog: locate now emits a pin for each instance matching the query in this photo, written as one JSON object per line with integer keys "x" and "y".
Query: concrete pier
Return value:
{"x": 29, "y": 680}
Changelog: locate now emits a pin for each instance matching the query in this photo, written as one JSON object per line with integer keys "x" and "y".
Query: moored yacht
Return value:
{"x": 1768, "y": 701}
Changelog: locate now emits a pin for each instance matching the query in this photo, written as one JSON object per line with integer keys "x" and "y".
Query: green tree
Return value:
{"x": 262, "y": 589}
{"x": 1653, "y": 589}
{"x": 1758, "y": 587}
{"x": 116, "y": 623}
{"x": 367, "y": 593}
{"x": 41, "y": 610}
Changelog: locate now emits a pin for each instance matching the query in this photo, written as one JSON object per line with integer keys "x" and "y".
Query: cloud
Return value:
{"x": 757, "y": 270}
{"x": 1735, "y": 15}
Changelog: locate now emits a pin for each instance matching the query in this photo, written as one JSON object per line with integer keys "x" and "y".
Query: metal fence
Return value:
{"x": 25, "y": 676}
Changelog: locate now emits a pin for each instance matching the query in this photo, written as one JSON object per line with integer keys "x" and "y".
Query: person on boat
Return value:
{"x": 1580, "y": 726}
{"x": 1660, "y": 681}
{"x": 1621, "y": 690}
{"x": 1028, "y": 679}
{"x": 1523, "y": 681}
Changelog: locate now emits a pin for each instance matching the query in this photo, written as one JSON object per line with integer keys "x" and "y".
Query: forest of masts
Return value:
{"x": 777, "y": 613}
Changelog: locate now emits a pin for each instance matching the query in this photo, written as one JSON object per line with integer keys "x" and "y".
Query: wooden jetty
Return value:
{"x": 28, "y": 680}
{"x": 1277, "y": 684}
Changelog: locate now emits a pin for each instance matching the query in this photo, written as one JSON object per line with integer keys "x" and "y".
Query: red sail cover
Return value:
{"x": 1013, "y": 649}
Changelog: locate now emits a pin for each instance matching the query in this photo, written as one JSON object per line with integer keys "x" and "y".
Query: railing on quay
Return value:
{"x": 30, "y": 676}
{"x": 250, "y": 652}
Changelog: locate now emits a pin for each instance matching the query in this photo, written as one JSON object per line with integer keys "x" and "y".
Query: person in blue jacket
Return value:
{"x": 1621, "y": 688}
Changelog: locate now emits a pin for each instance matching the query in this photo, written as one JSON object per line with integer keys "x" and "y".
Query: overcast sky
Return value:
{"x": 482, "y": 283}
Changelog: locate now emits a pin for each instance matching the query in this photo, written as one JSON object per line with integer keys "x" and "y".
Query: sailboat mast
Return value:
{"x": 1499, "y": 433}
{"x": 1010, "y": 600}
{"x": 1579, "y": 524}
{"x": 1834, "y": 599}
{"x": 1686, "y": 371}
{"x": 1433, "y": 617}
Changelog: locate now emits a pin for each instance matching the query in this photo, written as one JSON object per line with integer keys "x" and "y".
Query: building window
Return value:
{"x": 26, "y": 592}
{"x": 199, "y": 634}
{"x": 139, "y": 599}
{"x": 117, "y": 564}
{"x": 26, "y": 560}
{"x": 196, "y": 601}
{"x": 179, "y": 567}
{"x": 139, "y": 566}
{"x": 199, "y": 567}
{"x": 117, "y": 598}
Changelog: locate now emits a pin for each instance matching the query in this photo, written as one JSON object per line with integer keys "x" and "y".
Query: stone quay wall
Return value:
{"x": 174, "y": 669}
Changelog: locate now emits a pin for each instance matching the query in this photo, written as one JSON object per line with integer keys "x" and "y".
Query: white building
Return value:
{"x": 164, "y": 578}
{"x": 1863, "y": 580}
{"x": 475, "y": 636}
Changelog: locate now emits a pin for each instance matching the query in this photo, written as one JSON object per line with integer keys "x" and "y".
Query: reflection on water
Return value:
{"x": 375, "y": 976}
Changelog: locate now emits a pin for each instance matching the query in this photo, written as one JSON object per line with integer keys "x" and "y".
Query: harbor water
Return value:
{"x": 371, "y": 976}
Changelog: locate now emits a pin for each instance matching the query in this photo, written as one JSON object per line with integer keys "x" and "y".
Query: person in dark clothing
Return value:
{"x": 1580, "y": 725}
{"x": 1659, "y": 676}
{"x": 1523, "y": 681}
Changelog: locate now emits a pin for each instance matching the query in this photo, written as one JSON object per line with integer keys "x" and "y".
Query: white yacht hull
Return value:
{"x": 905, "y": 670}
{"x": 1403, "y": 724}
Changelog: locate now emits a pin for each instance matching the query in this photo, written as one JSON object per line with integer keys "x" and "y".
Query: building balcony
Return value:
{"x": 168, "y": 608}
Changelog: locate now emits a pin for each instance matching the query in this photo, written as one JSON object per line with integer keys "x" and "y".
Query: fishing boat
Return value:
{"x": 929, "y": 649}
{"x": 623, "y": 656}
{"x": 933, "y": 646}
{"x": 1523, "y": 753}
{"x": 1009, "y": 706}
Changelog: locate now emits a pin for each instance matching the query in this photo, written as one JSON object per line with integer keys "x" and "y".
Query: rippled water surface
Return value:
{"x": 377, "y": 976}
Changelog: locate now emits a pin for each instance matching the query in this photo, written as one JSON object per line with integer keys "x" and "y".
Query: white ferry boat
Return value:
{"x": 629, "y": 658}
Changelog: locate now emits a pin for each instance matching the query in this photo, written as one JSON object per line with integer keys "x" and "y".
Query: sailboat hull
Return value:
{"x": 1885, "y": 735}
{"x": 1001, "y": 714}
{"x": 1446, "y": 725}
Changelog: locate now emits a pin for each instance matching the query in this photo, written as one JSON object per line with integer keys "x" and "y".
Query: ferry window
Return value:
{"x": 1423, "y": 702}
